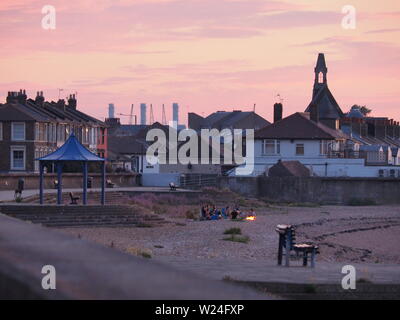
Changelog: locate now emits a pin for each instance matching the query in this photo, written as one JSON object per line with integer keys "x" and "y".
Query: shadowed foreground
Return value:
{"x": 89, "y": 271}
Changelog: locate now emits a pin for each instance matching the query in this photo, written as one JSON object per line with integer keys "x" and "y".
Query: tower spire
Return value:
{"x": 320, "y": 71}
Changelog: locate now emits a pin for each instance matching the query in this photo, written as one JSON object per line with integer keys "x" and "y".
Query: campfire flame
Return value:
{"x": 251, "y": 218}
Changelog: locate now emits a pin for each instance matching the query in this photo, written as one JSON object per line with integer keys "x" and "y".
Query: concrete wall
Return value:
{"x": 159, "y": 179}
{"x": 70, "y": 180}
{"x": 315, "y": 189}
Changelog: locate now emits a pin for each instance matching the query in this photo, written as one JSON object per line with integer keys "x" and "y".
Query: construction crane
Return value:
{"x": 151, "y": 114}
{"x": 131, "y": 116}
{"x": 164, "y": 117}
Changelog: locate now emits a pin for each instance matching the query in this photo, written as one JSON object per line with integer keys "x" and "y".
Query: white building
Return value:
{"x": 323, "y": 150}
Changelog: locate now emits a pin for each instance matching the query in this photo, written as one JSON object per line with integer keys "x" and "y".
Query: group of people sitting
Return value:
{"x": 210, "y": 212}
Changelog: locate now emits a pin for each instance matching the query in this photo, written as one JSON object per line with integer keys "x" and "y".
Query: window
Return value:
{"x": 18, "y": 131}
{"x": 37, "y": 131}
{"x": 271, "y": 147}
{"x": 320, "y": 77}
{"x": 299, "y": 149}
{"x": 1, "y": 131}
{"x": 323, "y": 147}
{"x": 18, "y": 158}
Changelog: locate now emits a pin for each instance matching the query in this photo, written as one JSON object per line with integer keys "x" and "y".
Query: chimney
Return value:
{"x": 113, "y": 122}
{"x": 22, "y": 96}
{"x": 111, "y": 111}
{"x": 61, "y": 104}
{"x": 396, "y": 131}
{"x": 278, "y": 110}
{"x": 12, "y": 97}
{"x": 380, "y": 129}
{"x": 17, "y": 96}
{"x": 72, "y": 101}
{"x": 143, "y": 111}
{"x": 175, "y": 112}
{"x": 39, "y": 100}
{"x": 314, "y": 114}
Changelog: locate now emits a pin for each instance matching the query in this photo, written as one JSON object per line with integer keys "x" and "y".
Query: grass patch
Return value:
{"x": 237, "y": 238}
{"x": 144, "y": 253}
{"x": 310, "y": 289}
{"x": 363, "y": 280}
{"x": 361, "y": 202}
{"x": 238, "y": 220}
{"x": 144, "y": 225}
{"x": 192, "y": 214}
{"x": 233, "y": 231}
{"x": 304, "y": 205}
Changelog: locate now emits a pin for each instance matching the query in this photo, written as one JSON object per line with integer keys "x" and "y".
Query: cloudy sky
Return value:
{"x": 205, "y": 54}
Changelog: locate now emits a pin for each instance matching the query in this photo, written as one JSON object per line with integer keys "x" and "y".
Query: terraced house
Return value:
{"x": 32, "y": 128}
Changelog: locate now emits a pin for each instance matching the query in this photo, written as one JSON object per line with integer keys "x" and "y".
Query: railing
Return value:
{"x": 344, "y": 154}
{"x": 197, "y": 181}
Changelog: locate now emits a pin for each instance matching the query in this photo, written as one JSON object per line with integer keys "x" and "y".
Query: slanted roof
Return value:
{"x": 328, "y": 108}
{"x": 289, "y": 169}
{"x": 233, "y": 119}
{"x": 299, "y": 126}
{"x": 126, "y": 129}
{"x": 126, "y": 145}
{"x": 371, "y": 148}
{"x": 19, "y": 112}
{"x": 321, "y": 64}
{"x": 71, "y": 150}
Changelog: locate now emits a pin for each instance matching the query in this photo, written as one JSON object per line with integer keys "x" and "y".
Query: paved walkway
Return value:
{"x": 266, "y": 271}
{"x": 8, "y": 195}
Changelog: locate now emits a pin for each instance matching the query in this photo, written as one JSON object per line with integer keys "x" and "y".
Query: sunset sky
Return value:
{"x": 207, "y": 55}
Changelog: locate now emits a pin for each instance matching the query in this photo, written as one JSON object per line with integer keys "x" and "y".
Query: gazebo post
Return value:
{"x": 59, "y": 178}
{"x": 103, "y": 182}
{"x": 41, "y": 170}
{"x": 85, "y": 181}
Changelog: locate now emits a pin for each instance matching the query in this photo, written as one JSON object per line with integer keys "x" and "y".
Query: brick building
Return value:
{"x": 30, "y": 129}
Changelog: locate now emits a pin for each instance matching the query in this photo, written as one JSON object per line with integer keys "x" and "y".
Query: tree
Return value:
{"x": 363, "y": 109}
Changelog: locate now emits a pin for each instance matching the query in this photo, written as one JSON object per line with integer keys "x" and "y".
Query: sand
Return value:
{"x": 345, "y": 234}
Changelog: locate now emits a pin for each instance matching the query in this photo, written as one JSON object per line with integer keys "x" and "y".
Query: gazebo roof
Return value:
{"x": 71, "y": 150}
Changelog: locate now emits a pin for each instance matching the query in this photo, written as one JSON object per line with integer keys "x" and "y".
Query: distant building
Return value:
{"x": 127, "y": 150}
{"x": 227, "y": 120}
{"x": 328, "y": 141}
{"x": 328, "y": 109}
{"x": 289, "y": 169}
{"x": 363, "y": 130}
{"x": 30, "y": 129}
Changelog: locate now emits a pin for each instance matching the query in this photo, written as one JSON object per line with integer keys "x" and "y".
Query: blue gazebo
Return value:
{"x": 72, "y": 150}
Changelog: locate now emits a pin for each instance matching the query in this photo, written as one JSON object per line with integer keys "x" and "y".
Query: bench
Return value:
{"x": 110, "y": 184}
{"x": 287, "y": 243}
{"x": 74, "y": 199}
{"x": 172, "y": 186}
{"x": 18, "y": 194}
